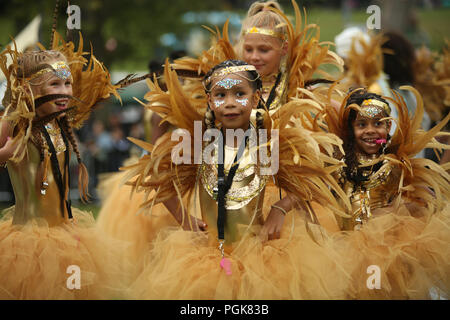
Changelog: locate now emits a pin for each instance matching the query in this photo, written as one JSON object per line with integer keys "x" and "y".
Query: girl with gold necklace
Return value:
{"x": 43, "y": 238}
{"x": 400, "y": 213}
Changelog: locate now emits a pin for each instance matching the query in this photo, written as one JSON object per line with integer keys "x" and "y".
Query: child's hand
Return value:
{"x": 272, "y": 227}
{"x": 194, "y": 224}
{"x": 8, "y": 149}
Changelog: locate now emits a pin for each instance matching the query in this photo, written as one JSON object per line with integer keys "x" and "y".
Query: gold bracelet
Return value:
{"x": 279, "y": 208}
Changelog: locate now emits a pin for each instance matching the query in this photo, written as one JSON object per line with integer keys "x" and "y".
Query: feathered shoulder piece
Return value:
{"x": 19, "y": 109}
{"x": 432, "y": 79}
{"x": 157, "y": 170}
{"x": 306, "y": 162}
{"x": 306, "y": 53}
{"x": 365, "y": 61}
{"x": 420, "y": 178}
{"x": 173, "y": 104}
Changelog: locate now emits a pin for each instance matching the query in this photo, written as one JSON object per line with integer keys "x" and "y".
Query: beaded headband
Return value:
{"x": 373, "y": 107}
{"x": 234, "y": 69}
{"x": 267, "y": 32}
{"x": 59, "y": 68}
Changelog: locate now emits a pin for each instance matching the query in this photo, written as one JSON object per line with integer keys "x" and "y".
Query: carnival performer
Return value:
{"x": 226, "y": 248}
{"x": 49, "y": 249}
{"x": 399, "y": 222}
{"x": 284, "y": 56}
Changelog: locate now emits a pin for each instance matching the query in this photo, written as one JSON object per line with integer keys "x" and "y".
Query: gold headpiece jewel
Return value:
{"x": 267, "y": 32}
{"x": 373, "y": 107}
{"x": 234, "y": 69}
{"x": 59, "y": 68}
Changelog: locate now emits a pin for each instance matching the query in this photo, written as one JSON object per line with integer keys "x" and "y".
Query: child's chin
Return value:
{"x": 371, "y": 151}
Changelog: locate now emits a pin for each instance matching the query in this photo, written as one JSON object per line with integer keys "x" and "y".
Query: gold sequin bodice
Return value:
{"x": 243, "y": 202}
{"x": 377, "y": 191}
{"x": 30, "y": 202}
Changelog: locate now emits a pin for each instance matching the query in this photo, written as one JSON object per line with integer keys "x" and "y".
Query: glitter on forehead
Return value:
{"x": 63, "y": 73}
{"x": 371, "y": 111}
{"x": 218, "y": 103}
{"x": 244, "y": 102}
{"x": 377, "y": 103}
{"x": 228, "y": 83}
{"x": 59, "y": 69}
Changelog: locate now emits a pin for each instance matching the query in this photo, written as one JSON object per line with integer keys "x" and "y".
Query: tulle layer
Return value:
{"x": 186, "y": 265}
{"x": 121, "y": 218}
{"x": 401, "y": 253}
{"x": 63, "y": 262}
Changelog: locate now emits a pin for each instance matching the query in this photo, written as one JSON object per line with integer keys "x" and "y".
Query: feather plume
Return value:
{"x": 306, "y": 54}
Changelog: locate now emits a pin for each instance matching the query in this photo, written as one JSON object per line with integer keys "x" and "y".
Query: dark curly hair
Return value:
{"x": 352, "y": 172}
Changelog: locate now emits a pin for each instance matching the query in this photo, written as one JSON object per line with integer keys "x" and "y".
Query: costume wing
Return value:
{"x": 306, "y": 160}
{"x": 306, "y": 54}
{"x": 420, "y": 178}
{"x": 162, "y": 170}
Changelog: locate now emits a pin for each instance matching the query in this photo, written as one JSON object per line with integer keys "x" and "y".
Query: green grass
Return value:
{"x": 435, "y": 23}
{"x": 93, "y": 208}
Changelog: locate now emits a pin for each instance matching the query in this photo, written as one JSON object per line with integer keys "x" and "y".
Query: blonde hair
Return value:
{"x": 31, "y": 62}
{"x": 259, "y": 15}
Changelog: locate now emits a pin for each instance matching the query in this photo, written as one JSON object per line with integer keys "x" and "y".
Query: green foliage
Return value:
{"x": 137, "y": 25}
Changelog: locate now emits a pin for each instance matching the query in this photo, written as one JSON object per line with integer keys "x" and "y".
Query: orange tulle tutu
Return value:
{"x": 36, "y": 260}
{"x": 120, "y": 217}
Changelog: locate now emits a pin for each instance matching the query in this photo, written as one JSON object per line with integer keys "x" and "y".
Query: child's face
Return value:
{"x": 232, "y": 99}
{"x": 367, "y": 131}
{"x": 264, "y": 52}
{"x": 54, "y": 85}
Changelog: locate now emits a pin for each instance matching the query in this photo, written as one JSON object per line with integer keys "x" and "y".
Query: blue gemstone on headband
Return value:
{"x": 63, "y": 73}
{"x": 372, "y": 111}
{"x": 228, "y": 83}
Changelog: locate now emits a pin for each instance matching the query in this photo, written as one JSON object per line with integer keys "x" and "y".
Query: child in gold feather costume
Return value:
{"x": 247, "y": 255}
{"x": 42, "y": 238}
{"x": 399, "y": 222}
{"x": 286, "y": 56}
